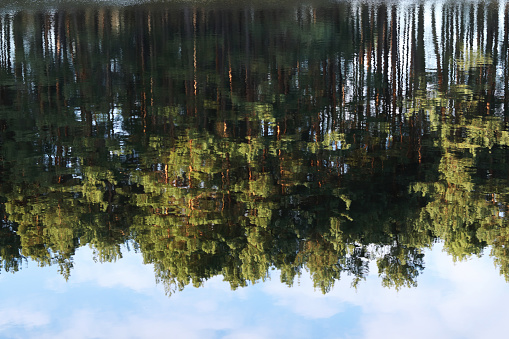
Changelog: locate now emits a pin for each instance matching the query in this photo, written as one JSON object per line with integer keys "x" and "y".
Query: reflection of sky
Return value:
{"x": 121, "y": 300}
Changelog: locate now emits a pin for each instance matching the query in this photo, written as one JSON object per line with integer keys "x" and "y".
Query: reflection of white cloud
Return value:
{"x": 121, "y": 300}
{"x": 181, "y": 321}
{"x": 14, "y": 316}
{"x": 127, "y": 272}
{"x": 251, "y": 333}
{"x": 462, "y": 300}
{"x": 303, "y": 299}
{"x": 93, "y": 324}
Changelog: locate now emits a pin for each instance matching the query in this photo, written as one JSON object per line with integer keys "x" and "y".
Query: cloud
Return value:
{"x": 181, "y": 318}
{"x": 128, "y": 272}
{"x": 453, "y": 300}
{"x": 21, "y": 316}
{"x": 303, "y": 299}
{"x": 121, "y": 300}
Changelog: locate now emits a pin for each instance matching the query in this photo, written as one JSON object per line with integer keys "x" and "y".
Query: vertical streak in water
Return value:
{"x": 401, "y": 58}
{"x": 412, "y": 48}
{"x": 152, "y": 58}
{"x": 360, "y": 62}
{"x": 437, "y": 51}
{"x": 394, "y": 56}
{"x": 505, "y": 56}
{"x": 421, "y": 61}
{"x": 492, "y": 50}
{"x": 9, "y": 39}
{"x": 357, "y": 41}
{"x": 470, "y": 30}
{"x": 367, "y": 27}
{"x": 247, "y": 58}
{"x": 385, "y": 53}
{"x": 454, "y": 41}
{"x": 48, "y": 47}
{"x": 195, "y": 84}
{"x": 380, "y": 28}
{"x": 480, "y": 25}
{"x": 445, "y": 48}
{"x": 480, "y": 36}
{"x": 406, "y": 50}
{"x": 19, "y": 47}
{"x": 460, "y": 39}
{"x": 2, "y": 36}
{"x": 6, "y": 35}
{"x": 3, "y": 48}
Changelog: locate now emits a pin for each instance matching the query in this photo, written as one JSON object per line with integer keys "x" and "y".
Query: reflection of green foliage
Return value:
{"x": 10, "y": 248}
{"x": 400, "y": 267}
{"x": 288, "y": 150}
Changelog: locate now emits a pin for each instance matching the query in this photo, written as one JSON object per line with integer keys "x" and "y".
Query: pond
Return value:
{"x": 322, "y": 169}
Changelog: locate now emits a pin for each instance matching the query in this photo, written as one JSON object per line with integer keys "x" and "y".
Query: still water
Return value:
{"x": 254, "y": 170}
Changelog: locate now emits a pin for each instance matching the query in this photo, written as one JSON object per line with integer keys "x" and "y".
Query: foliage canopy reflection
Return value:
{"x": 232, "y": 141}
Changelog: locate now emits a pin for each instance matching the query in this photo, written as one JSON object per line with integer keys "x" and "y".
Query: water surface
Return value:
{"x": 296, "y": 154}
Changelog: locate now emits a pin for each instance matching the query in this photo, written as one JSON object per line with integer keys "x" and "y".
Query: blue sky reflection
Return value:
{"x": 122, "y": 300}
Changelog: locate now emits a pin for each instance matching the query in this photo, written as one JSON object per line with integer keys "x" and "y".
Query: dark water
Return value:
{"x": 230, "y": 139}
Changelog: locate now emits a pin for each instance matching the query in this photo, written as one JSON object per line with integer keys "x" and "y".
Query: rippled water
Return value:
{"x": 318, "y": 169}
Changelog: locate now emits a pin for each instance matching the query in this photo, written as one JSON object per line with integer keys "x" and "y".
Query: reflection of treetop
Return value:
{"x": 234, "y": 141}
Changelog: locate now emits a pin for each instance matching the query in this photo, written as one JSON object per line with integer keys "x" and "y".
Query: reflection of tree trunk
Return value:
{"x": 249, "y": 87}
{"x": 492, "y": 50}
{"x": 394, "y": 57}
{"x": 411, "y": 47}
{"x": 492, "y": 30}
{"x": 86, "y": 117}
{"x": 382, "y": 49}
{"x": 367, "y": 33}
{"x": 480, "y": 24}
{"x": 110, "y": 188}
{"x": 420, "y": 62}
{"x": 505, "y": 57}
{"x": 441, "y": 86}
{"x": 19, "y": 48}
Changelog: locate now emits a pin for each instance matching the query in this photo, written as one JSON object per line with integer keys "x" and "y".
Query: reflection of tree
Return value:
{"x": 10, "y": 248}
{"x": 460, "y": 210}
{"x": 232, "y": 141}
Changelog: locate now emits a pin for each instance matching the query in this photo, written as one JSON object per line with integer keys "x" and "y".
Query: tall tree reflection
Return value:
{"x": 230, "y": 141}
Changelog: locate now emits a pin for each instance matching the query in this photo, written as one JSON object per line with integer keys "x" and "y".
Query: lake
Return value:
{"x": 321, "y": 169}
